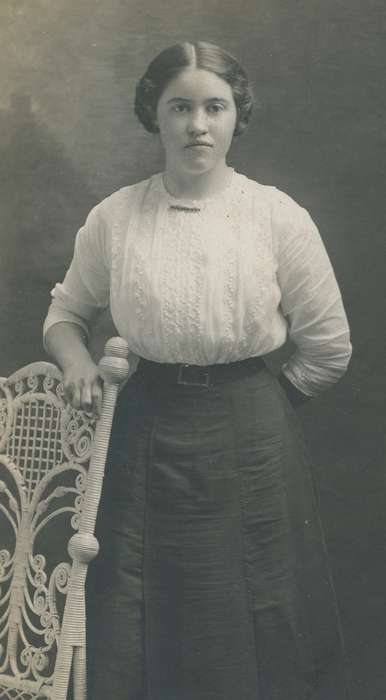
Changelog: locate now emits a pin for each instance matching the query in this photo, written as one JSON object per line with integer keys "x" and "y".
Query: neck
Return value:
{"x": 191, "y": 186}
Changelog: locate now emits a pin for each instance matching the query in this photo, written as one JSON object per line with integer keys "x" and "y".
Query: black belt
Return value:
{"x": 197, "y": 375}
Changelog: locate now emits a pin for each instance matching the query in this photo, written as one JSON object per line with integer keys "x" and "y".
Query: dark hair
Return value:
{"x": 204, "y": 56}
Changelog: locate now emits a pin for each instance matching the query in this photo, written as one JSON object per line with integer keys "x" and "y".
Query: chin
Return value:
{"x": 199, "y": 168}
{"x": 198, "y": 171}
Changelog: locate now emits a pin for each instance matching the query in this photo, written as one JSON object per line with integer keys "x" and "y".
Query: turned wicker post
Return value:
{"x": 83, "y": 546}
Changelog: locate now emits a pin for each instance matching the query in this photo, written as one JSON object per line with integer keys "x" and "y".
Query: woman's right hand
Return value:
{"x": 82, "y": 381}
{"x": 82, "y": 385}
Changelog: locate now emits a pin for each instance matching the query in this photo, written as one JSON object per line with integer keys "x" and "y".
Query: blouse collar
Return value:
{"x": 157, "y": 184}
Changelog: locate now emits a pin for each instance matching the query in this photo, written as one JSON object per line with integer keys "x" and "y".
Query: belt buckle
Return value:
{"x": 181, "y": 379}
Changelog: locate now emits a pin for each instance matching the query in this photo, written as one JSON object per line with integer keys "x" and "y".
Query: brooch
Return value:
{"x": 178, "y": 207}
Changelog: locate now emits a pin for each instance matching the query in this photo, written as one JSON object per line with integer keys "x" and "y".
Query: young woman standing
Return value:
{"x": 218, "y": 584}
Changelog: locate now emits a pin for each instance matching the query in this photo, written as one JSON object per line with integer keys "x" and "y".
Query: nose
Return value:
{"x": 198, "y": 123}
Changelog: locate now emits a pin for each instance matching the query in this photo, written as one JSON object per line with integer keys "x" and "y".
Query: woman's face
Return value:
{"x": 196, "y": 116}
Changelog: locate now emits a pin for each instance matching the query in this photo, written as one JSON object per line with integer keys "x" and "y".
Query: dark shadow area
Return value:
{"x": 43, "y": 201}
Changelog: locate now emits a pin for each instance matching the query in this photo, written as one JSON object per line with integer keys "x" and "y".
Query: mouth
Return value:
{"x": 199, "y": 144}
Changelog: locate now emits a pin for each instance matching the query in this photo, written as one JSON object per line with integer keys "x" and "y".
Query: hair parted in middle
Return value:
{"x": 203, "y": 56}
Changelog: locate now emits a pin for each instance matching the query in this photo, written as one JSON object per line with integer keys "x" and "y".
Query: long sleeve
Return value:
{"x": 310, "y": 301}
{"x": 85, "y": 289}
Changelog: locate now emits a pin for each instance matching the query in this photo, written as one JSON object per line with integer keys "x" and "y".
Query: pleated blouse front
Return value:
{"x": 209, "y": 281}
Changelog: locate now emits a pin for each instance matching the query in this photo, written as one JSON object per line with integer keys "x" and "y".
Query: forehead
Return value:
{"x": 196, "y": 84}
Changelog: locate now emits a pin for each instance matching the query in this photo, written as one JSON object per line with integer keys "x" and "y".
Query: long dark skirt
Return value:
{"x": 212, "y": 582}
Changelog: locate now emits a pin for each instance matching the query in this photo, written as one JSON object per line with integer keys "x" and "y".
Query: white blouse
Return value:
{"x": 209, "y": 281}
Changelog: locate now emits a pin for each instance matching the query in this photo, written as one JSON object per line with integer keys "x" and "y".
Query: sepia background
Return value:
{"x": 68, "y": 138}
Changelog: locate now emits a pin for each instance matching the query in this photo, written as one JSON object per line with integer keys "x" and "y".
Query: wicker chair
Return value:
{"x": 52, "y": 460}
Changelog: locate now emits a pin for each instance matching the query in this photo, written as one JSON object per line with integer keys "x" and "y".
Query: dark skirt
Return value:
{"x": 212, "y": 581}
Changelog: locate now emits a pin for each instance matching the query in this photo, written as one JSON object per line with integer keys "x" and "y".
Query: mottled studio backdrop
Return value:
{"x": 68, "y": 137}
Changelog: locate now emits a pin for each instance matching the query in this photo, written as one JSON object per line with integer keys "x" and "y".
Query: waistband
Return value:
{"x": 198, "y": 375}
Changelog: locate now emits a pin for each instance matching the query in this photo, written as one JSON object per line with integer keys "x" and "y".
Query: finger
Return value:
{"x": 68, "y": 390}
{"x": 75, "y": 400}
{"x": 97, "y": 399}
{"x": 86, "y": 398}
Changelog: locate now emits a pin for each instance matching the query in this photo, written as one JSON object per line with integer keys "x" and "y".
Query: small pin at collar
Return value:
{"x": 179, "y": 207}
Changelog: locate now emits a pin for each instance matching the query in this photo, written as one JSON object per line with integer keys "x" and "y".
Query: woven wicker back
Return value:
{"x": 45, "y": 450}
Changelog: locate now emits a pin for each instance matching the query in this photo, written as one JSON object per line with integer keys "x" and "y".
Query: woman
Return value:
{"x": 218, "y": 585}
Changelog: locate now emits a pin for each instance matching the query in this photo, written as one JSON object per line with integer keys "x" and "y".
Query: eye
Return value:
{"x": 180, "y": 107}
{"x": 216, "y": 107}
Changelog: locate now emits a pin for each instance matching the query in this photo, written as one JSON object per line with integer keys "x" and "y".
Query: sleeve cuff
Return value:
{"x": 294, "y": 395}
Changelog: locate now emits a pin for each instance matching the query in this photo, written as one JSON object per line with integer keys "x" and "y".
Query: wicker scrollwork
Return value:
{"x": 78, "y": 430}
{"x": 48, "y": 383}
{"x": 5, "y": 413}
{"x": 3, "y": 416}
{"x": 59, "y": 390}
{"x": 43, "y": 479}
{"x": 19, "y": 387}
{"x": 32, "y": 382}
